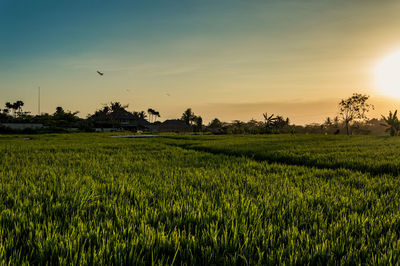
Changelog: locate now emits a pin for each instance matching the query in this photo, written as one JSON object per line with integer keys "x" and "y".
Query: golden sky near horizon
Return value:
{"x": 231, "y": 59}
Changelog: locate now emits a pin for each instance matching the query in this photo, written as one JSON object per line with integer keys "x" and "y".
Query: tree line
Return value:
{"x": 351, "y": 119}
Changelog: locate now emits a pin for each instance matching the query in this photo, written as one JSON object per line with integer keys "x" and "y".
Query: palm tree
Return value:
{"x": 269, "y": 120}
{"x": 117, "y": 106}
{"x": 10, "y": 106}
{"x": 151, "y": 112}
{"x": 392, "y": 123}
{"x": 142, "y": 114}
{"x": 188, "y": 116}
{"x": 156, "y": 114}
{"x": 199, "y": 123}
{"x": 18, "y": 106}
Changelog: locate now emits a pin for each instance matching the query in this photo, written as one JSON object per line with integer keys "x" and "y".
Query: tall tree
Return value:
{"x": 354, "y": 108}
{"x": 269, "y": 121}
{"x": 188, "y": 116}
{"x": 18, "y": 106}
{"x": 215, "y": 124}
{"x": 199, "y": 123}
{"x": 10, "y": 106}
{"x": 156, "y": 114}
{"x": 59, "y": 111}
{"x": 150, "y": 112}
{"x": 142, "y": 115}
{"x": 392, "y": 123}
{"x": 328, "y": 122}
{"x": 15, "y": 107}
{"x": 117, "y": 106}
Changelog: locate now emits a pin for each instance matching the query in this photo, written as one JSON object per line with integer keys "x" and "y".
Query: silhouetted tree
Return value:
{"x": 215, "y": 126}
{"x": 63, "y": 118}
{"x": 188, "y": 116}
{"x": 328, "y": 122}
{"x": 142, "y": 115}
{"x": 151, "y": 112}
{"x": 199, "y": 123}
{"x": 336, "y": 122}
{"x": 392, "y": 123}
{"x": 238, "y": 127}
{"x": 215, "y": 123}
{"x": 18, "y": 106}
{"x": 111, "y": 115}
{"x": 59, "y": 111}
{"x": 280, "y": 122}
{"x": 11, "y": 106}
{"x": 269, "y": 120}
{"x": 156, "y": 114}
{"x": 354, "y": 108}
{"x": 105, "y": 110}
{"x": 117, "y": 107}
{"x": 253, "y": 127}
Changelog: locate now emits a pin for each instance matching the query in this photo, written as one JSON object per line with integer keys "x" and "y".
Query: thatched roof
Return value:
{"x": 174, "y": 125}
{"x": 173, "y": 122}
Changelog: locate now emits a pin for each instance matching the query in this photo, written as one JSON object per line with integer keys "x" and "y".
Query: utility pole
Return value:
{"x": 39, "y": 101}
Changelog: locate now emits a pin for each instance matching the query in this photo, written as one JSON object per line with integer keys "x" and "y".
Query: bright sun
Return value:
{"x": 387, "y": 74}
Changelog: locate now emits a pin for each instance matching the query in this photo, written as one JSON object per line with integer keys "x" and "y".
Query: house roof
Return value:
{"x": 122, "y": 115}
{"x": 141, "y": 122}
{"x": 173, "y": 122}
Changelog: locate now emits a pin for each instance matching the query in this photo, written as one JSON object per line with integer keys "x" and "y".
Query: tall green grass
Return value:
{"x": 92, "y": 199}
{"x": 373, "y": 154}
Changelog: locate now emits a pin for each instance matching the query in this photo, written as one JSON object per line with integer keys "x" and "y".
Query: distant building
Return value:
{"x": 174, "y": 125}
{"x": 137, "y": 125}
{"x": 119, "y": 120}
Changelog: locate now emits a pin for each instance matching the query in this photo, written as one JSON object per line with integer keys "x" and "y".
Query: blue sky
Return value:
{"x": 213, "y": 56}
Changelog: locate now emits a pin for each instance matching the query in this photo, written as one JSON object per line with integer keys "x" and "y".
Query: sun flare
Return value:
{"x": 387, "y": 74}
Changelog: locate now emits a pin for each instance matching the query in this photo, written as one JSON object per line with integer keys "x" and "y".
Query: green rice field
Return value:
{"x": 90, "y": 199}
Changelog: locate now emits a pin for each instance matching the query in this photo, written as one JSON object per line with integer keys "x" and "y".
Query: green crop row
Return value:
{"x": 372, "y": 154}
{"x": 92, "y": 199}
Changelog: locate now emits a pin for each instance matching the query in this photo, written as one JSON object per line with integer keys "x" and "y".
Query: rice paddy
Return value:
{"x": 268, "y": 199}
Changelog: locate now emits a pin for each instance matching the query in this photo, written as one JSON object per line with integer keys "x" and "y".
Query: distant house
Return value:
{"x": 122, "y": 116}
{"x": 136, "y": 125}
{"x": 174, "y": 125}
{"x": 119, "y": 120}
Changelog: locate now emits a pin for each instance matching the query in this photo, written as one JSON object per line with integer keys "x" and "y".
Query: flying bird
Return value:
{"x": 100, "y": 73}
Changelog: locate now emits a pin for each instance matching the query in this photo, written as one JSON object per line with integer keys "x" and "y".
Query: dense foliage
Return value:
{"x": 93, "y": 199}
{"x": 116, "y": 117}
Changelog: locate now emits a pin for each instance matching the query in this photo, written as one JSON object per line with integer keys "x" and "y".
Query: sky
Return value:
{"x": 231, "y": 59}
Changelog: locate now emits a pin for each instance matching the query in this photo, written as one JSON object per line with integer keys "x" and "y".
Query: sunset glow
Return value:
{"x": 286, "y": 57}
{"x": 388, "y": 75}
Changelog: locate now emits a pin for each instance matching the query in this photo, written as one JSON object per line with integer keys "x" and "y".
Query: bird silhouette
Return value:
{"x": 100, "y": 73}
